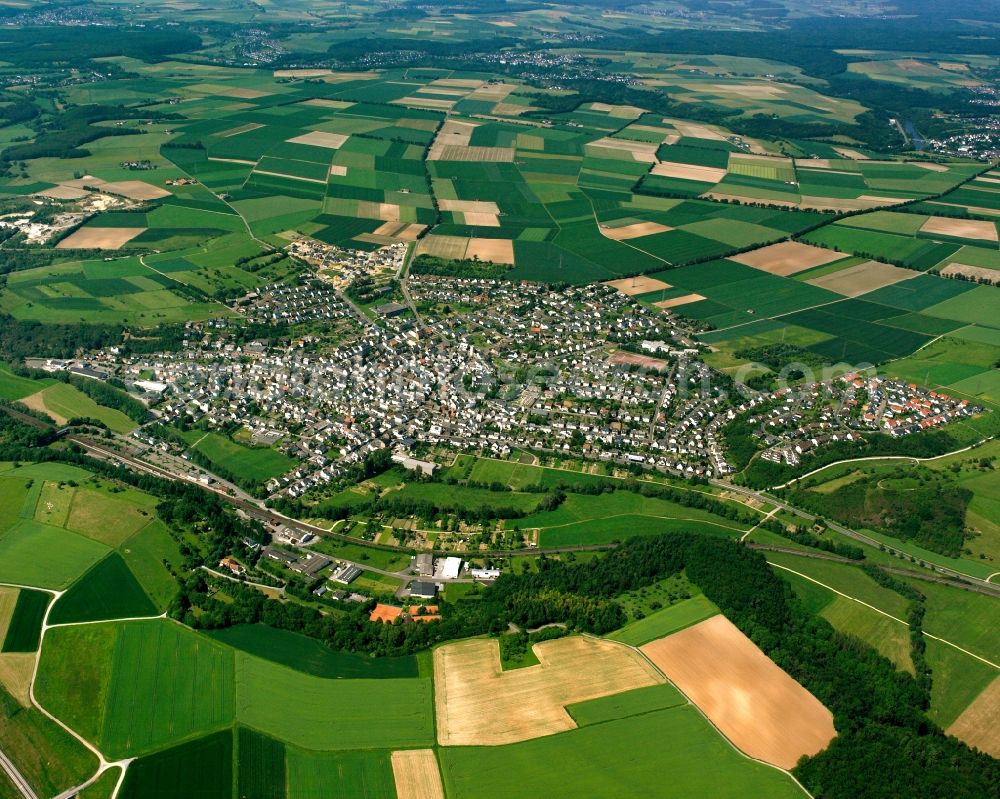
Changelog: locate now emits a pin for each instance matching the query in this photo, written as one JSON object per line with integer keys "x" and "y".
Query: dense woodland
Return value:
{"x": 928, "y": 510}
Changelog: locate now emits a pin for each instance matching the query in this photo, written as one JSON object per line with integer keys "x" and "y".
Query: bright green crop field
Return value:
{"x": 663, "y": 753}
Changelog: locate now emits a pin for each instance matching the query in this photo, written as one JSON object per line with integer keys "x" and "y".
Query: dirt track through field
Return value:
{"x": 477, "y": 704}
{"x": 755, "y": 704}
{"x": 417, "y": 775}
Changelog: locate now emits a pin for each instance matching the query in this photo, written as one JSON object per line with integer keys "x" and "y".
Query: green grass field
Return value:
{"x": 310, "y": 656}
{"x": 957, "y": 680}
{"x": 661, "y": 753}
{"x": 260, "y": 766}
{"x": 198, "y": 768}
{"x": 48, "y": 757}
{"x": 108, "y": 591}
{"x": 629, "y": 703}
{"x": 38, "y": 554}
{"x": 358, "y": 775}
{"x": 889, "y": 638}
{"x": 257, "y": 464}
{"x": 105, "y": 786}
{"x": 13, "y": 387}
{"x": 666, "y": 621}
{"x": 145, "y": 553}
{"x": 322, "y": 714}
{"x": 25, "y": 625}
{"x": 99, "y": 679}
{"x": 587, "y": 519}
{"x": 64, "y": 401}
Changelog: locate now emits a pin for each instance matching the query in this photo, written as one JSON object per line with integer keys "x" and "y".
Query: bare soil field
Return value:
{"x": 465, "y": 83}
{"x": 470, "y": 206}
{"x": 454, "y": 133}
{"x": 492, "y": 93}
{"x": 677, "y": 301}
{"x": 930, "y": 166}
{"x": 16, "y": 669}
{"x": 706, "y": 174}
{"x": 63, "y": 193}
{"x": 640, "y": 284}
{"x": 101, "y": 238}
{"x": 978, "y": 725}
{"x": 755, "y": 704}
{"x": 634, "y": 359}
{"x": 857, "y": 280}
{"x": 417, "y": 775}
{"x": 337, "y": 170}
{"x": 842, "y": 204}
{"x": 499, "y": 251}
{"x": 977, "y": 273}
{"x": 425, "y": 102}
{"x": 36, "y": 402}
{"x": 387, "y": 212}
{"x": 403, "y": 231}
{"x": 319, "y": 138}
{"x": 478, "y": 704}
{"x": 961, "y": 228}
{"x": 640, "y": 150}
{"x": 475, "y": 218}
{"x": 633, "y": 231}
{"x": 135, "y": 190}
{"x": 787, "y": 258}
{"x": 695, "y": 131}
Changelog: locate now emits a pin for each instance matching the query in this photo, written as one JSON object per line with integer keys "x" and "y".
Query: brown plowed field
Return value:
{"x": 755, "y": 704}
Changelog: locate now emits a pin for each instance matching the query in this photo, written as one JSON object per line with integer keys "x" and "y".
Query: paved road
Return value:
{"x": 19, "y": 781}
{"x": 763, "y": 496}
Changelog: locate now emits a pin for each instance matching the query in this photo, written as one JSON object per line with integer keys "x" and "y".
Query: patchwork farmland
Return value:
{"x": 416, "y": 401}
